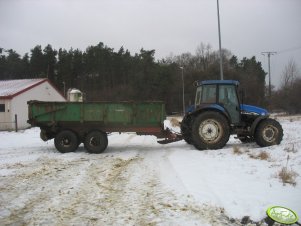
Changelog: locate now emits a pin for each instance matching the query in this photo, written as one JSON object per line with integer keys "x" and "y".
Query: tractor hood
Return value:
{"x": 253, "y": 109}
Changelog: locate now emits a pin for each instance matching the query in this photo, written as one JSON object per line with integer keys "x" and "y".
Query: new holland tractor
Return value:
{"x": 218, "y": 113}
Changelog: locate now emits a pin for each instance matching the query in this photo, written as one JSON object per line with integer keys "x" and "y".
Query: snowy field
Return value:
{"x": 137, "y": 181}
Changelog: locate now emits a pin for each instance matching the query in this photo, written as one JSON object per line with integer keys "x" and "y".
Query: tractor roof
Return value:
{"x": 214, "y": 82}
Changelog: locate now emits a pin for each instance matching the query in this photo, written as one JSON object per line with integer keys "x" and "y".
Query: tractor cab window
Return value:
{"x": 227, "y": 94}
{"x": 209, "y": 94}
{"x": 205, "y": 94}
{"x": 228, "y": 98}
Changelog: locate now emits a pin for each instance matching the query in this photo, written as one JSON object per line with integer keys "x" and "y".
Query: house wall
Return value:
{"x": 5, "y": 117}
{"x": 18, "y": 105}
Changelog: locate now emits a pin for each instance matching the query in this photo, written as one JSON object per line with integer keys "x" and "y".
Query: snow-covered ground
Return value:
{"x": 137, "y": 181}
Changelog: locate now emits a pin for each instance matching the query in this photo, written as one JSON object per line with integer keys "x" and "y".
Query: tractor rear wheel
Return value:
{"x": 210, "y": 130}
{"x": 269, "y": 132}
{"x": 186, "y": 130}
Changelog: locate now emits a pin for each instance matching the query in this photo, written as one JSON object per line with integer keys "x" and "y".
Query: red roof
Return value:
{"x": 12, "y": 88}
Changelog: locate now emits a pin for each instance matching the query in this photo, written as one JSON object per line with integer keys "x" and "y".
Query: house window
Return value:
{"x": 2, "y": 107}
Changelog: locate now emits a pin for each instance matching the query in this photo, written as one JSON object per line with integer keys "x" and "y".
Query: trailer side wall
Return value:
{"x": 109, "y": 116}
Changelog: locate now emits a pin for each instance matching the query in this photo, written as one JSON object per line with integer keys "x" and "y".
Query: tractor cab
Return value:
{"x": 220, "y": 95}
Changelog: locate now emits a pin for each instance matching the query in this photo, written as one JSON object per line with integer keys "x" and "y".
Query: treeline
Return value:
{"x": 104, "y": 74}
{"x": 287, "y": 97}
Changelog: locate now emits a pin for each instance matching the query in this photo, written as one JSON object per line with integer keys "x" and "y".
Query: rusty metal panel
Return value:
{"x": 54, "y": 111}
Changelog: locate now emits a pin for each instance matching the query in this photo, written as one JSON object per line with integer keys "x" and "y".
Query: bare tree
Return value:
{"x": 288, "y": 96}
{"x": 203, "y": 55}
{"x": 289, "y": 74}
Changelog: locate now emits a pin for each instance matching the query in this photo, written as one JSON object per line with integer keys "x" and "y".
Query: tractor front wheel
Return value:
{"x": 269, "y": 132}
{"x": 210, "y": 130}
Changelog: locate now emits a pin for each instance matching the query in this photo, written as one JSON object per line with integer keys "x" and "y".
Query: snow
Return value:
{"x": 137, "y": 181}
{"x": 13, "y": 87}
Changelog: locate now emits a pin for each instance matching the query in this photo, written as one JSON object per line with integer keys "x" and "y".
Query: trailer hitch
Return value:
{"x": 168, "y": 137}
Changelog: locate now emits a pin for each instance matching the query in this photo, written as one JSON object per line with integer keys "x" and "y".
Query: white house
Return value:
{"x": 14, "y": 95}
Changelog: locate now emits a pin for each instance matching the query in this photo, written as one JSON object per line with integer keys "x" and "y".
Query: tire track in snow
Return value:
{"x": 180, "y": 208}
{"x": 107, "y": 189}
{"x": 33, "y": 185}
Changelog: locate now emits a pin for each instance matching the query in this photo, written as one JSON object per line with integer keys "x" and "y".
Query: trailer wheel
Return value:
{"x": 66, "y": 141}
{"x": 210, "y": 130}
{"x": 269, "y": 132}
{"x": 96, "y": 142}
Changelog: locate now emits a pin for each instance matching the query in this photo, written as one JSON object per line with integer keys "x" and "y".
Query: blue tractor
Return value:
{"x": 218, "y": 113}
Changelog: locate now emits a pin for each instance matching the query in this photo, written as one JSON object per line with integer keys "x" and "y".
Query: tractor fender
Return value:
{"x": 256, "y": 122}
{"x": 211, "y": 107}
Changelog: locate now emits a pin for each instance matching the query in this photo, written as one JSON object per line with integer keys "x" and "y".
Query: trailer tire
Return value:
{"x": 269, "y": 132}
{"x": 66, "y": 141}
{"x": 210, "y": 130}
{"x": 96, "y": 141}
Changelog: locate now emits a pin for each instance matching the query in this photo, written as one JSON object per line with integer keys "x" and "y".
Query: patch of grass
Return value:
{"x": 236, "y": 150}
{"x": 291, "y": 149}
{"x": 288, "y": 176}
{"x": 262, "y": 156}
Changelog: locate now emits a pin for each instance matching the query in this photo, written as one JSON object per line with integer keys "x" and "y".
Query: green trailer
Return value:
{"x": 73, "y": 123}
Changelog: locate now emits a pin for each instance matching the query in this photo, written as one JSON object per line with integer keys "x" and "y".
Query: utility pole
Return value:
{"x": 269, "y": 53}
{"x": 183, "y": 91}
{"x": 220, "y": 44}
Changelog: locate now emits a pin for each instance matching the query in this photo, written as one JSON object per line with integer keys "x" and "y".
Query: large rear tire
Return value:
{"x": 210, "y": 130}
{"x": 96, "y": 141}
{"x": 269, "y": 132}
{"x": 186, "y": 130}
{"x": 66, "y": 141}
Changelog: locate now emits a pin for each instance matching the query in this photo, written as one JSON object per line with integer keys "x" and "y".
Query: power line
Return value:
{"x": 289, "y": 50}
{"x": 269, "y": 54}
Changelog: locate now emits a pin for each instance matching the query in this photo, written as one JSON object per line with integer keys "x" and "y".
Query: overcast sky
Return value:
{"x": 248, "y": 27}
